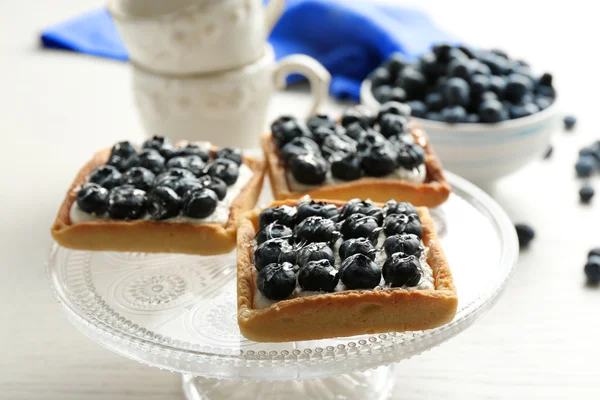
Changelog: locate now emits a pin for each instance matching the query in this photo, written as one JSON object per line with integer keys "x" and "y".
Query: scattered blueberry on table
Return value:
{"x": 569, "y": 122}
{"x": 586, "y": 193}
{"x": 461, "y": 84}
{"x": 592, "y": 268}
{"x": 525, "y": 233}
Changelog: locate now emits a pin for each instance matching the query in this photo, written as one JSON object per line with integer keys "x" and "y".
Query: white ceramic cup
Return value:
{"x": 194, "y": 36}
{"x": 227, "y": 108}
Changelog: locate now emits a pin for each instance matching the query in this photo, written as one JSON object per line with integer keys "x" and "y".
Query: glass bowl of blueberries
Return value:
{"x": 486, "y": 114}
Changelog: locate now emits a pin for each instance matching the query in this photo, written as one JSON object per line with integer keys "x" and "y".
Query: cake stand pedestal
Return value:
{"x": 178, "y": 312}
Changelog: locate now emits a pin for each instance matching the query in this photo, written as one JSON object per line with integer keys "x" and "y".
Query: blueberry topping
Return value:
{"x": 394, "y": 107}
{"x": 193, "y": 150}
{"x": 173, "y": 173}
{"x": 357, "y": 132}
{"x": 284, "y": 215}
{"x": 92, "y": 198}
{"x": 192, "y": 163}
{"x": 394, "y": 207}
{"x": 525, "y": 233}
{"x": 224, "y": 169}
{"x": 586, "y": 193}
{"x": 309, "y": 169}
{"x": 160, "y": 144}
{"x": 338, "y": 144}
{"x": 106, "y": 176}
{"x": 357, "y": 206}
{"x": 358, "y": 114}
{"x": 406, "y": 243}
{"x": 274, "y": 251}
{"x": 122, "y": 162}
{"x": 360, "y": 226}
{"x": 381, "y": 160}
{"x": 152, "y": 160}
{"x": 391, "y": 124}
{"x": 410, "y": 156}
{"x": 126, "y": 202}
{"x": 277, "y": 281}
{"x": 123, "y": 149}
{"x": 284, "y": 130}
{"x": 321, "y": 133}
{"x": 229, "y": 153}
{"x": 347, "y": 167}
{"x": 299, "y": 146}
{"x": 592, "y": 269}
{"x": 402, "y": 270}
{"x": 215, "y": 184}
{"x": 184, "y": 186}
{"x": 273, "y": 231}
{"x": 315, "y": 229}
{"x": 318, "y": 276}
{"x": 315, "y": 252}
{"x": 585, "y": 166}
{"x": 569, "y": 122}
{"x": 399, "y": 223}
{"x": 200, "y": 203}
{"x": 360, "y": 272}
{"x": 139, "y": 177}
{"x": 163, "y": 203}
{"x": 320, "y": 120}
{"x": 311, "y": 208}
{"x": 354, "y": 246}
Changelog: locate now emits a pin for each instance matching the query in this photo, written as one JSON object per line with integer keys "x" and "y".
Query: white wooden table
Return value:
{"x": 541, "y": 339}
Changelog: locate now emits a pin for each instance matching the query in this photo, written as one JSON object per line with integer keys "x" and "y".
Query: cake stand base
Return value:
{"x": 375, "y": 384}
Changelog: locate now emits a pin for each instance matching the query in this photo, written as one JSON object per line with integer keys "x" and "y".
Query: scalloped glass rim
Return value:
{"x": 349, "y": 355}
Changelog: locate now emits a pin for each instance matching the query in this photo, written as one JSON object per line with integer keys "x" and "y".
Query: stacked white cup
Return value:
{"x": 203, "y": 69}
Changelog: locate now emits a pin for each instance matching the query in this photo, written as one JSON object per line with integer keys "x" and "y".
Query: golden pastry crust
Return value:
{"x": 433, "y": 192}
{"x": 154, "y": 236}
{"x": 347, "y": 313}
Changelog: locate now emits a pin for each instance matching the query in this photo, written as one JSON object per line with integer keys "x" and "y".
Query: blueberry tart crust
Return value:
{"x": 158, "y": 199}
{"x": 358, "y": 295}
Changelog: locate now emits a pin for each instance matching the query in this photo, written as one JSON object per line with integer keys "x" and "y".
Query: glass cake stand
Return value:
{"x": 178, "y": 312}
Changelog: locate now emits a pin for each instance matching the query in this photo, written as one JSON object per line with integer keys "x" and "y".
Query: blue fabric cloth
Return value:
{"x": 350, "y": 38}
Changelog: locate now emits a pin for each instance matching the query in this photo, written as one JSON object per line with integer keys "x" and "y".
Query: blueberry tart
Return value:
{"x": 319, "y": 276}
{"x": 159, "y": 198}
{"x": 377, "y": 156}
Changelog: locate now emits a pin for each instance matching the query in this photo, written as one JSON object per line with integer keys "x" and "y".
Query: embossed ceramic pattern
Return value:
{"x": 228, "y": 108}
{"x": 178, "y": 312}
{"x": 200, "y": 37}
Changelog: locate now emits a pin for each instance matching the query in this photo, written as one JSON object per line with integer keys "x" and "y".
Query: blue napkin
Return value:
{"x": 350, "y": 38}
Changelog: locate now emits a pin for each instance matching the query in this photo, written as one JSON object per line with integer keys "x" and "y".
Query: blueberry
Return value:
{"x": 160, "y": 144}
{"x": 413, "y": 82}
{"x": 284, "y": 215}
{"x": 585, "y": 166}
{"x": 152, "y": 160}
{"x": 545, "y": 91}
{"x": 318, "y": 276}
{"x": 383, "y": 93}
{"x": 122, "y": 162}
{"x": 277, "y": 281}
{"x": 545, "y": 79}
{"x": 373, "y": 138}
{"x": 163, "y": 203}
{"x": 315, "y": 252}
{"x": 273, "y": 231}
{"x": 467, "y": 50}
{"x": 402, "y": 207}
{"x": 497, "y": 85}
{"x": 394, "y": 94}
{"x": 123, "y": 149}
{"x": 92, "y": 198}
{"x": 492, "y": 111}
{"x": 525, "y": 233}
{"x": 472, "y": 119}
{"x": 454, "y": 114}
{"x": 517, "y": 86}
{"x": 434, "y": 101}
{"x": 393, "y": 107}
{"x": 358, "y": 114}
{"x": 497, "y": 65}
{"x": 569, "y": 122}
{"x": 126, "y": 202}
{"x": 442, "y": 51}
{"x": 360, "y": 226}
{"x": 395, "y": 63}
{"x": 459, "y": 68}
{"x": 543, "y": 102}
{"x": 489, "y": 95}
{"x": 410, "y": 156}
{"x": 347, "y": 167}
{"x": 309, "y": 208}
{"x": 592, "y": 269}
{"x": 315, "y": 229}
{"x": 402, "y": 270}
{"x": 320, "y": 120}
{"x": 193, "y": 150}
{"x": 185, "y": 186}
{"x": 274, "y": 251}
{"x": 406, "y": 243}
{"x": 106, "y": 176}
{"x": 359, "y": 245}
{"x": 173, "y": 174}
{"x": 523, "y": 111}
{"x": 381, "y": 160}
{"x": 336, "y": 144}
{"x": 229, "y": 153}
{"x": 586, "y": 193}
{"x": 391, "y": 124}
{"x": 224, "y": 169}
{"x": 500, "y": 53}
{"x": 456, "y": 92}
{"x": 381, "y": 76}
{"x": 395, "y": 224}
{"x": 456, "y": 53}
{"x": 479, "y": 85}
{"x": 479, "y": 68}
{"x": 319, "y": 135}
{"x": 357, "y": 206}
{"x": 356, "y": 131}
{"x": 215, "y": 184}
{"x": 360, "y": 272}
{"x": 299, "y": 146}
{"x": 285, "y": 129}
{"x": 192, "y": 163}
{"x": 200, "y": 203}
{"x": 431, "y": 67}
{"x": 594, "y": 252}
{"x": 589, "y": 151}
{"x": 309, "y": 169}
{"x": 139, "y": 177}
{"x": 434, "y": 116}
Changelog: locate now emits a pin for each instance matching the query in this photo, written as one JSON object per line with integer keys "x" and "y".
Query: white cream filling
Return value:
{"x": 219, "y": 216}
{"x": 427, "y": 281}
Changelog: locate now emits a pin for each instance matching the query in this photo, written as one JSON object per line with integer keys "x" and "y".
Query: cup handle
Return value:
{"x": 273, "y": 11}
{"x": 318, "y": 77}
